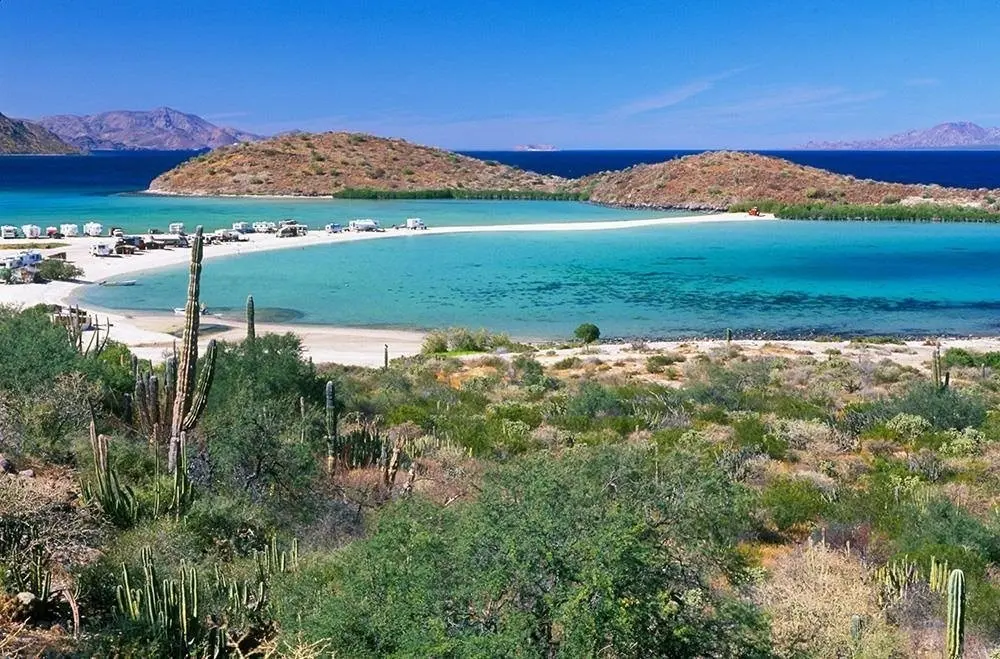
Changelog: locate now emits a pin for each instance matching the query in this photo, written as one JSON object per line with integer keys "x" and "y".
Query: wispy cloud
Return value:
{"x": 922, "y": 82}
{"x": 672, "y": 96}
{"x": 794, "y": 100}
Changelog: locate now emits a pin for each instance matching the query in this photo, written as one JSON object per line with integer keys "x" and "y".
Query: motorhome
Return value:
{"x": 31, "y": 231}
{"x": 7, "y": 232}
{"x": 265, "y": 227}
{"x": 333, "y": 228}
{"x": 93, "y": 229}
{"x": 102, "y": 249}
{"x": 363, "y": 225}
{"x": 415, "y": 223}
{"x": 176, "y": 228}
{"x": 30, "y": 258}
{"x": 243, "y": 227}
{"x": 69, "y": 230}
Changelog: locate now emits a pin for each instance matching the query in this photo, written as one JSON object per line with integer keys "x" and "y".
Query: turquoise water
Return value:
{"x": 139, "y": 213}
{"x": 788, "y": 278}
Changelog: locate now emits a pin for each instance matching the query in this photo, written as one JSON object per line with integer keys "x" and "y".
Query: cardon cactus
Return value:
{"x": 956, "y": 614}
{"x": 191, "y": 396}
{"x": 251, "y": 326}
{"x": 331, "y": 426}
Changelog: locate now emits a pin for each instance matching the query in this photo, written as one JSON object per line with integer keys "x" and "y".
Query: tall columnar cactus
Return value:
{"x": 956, "y": 614}
{"x": 331, "y": 426}
{"x": 251, "y": 326}
{"x": 385, "y": 363}
{"x": 191, "y": 396}
{"x": 729, "y": 335}
{"x": 942, "y": 378}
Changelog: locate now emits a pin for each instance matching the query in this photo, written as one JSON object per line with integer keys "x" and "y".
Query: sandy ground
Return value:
{"x": 149, "y": 334}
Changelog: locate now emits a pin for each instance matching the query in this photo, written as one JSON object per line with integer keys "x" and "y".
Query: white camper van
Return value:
{"x": 363, "y": 225}
{"x": 93, "y": 229}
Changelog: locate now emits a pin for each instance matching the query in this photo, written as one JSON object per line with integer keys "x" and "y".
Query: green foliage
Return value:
{"x": 460, "y": 339}
{"x": 959, "y": 357}
{"x": 35, "y": 351}
{"x": 587, "y": 332}
{"x": 793, "y": 501}
{"x": 599, "y": 551}
{"x": 58, "y": 270}
{"x": 457, "y": 193}
{"x": 869, "y": 212}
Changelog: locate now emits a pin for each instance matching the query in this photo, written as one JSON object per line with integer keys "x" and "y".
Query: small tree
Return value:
{"x": 588, "y": 333}
{"x": 57, "y": 270}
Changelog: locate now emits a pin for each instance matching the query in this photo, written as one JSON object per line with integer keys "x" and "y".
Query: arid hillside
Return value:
{"x": 330, "y": 163}
{"x": 720, "y": 179}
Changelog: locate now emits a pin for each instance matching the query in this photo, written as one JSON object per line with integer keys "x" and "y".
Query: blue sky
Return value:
{"x": 494, "y": 74}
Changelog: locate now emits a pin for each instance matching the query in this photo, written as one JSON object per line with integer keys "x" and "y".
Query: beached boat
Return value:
{"x": 127, "y": 282}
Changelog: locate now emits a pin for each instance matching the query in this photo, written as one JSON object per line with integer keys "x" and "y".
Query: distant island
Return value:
{"x": 354, "y": 165}
{"x": 162, "y": 129}
{"x": 535, "y": 147}
{"x": 18, "y": 137}
{"x": 953, "y": 135}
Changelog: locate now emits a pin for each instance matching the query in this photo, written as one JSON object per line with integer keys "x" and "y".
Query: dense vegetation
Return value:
{"x": 871, "y": 212}
{"x": 710, "y": 505}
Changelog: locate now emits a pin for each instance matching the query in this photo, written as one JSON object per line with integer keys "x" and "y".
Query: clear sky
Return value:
{"x": 494, "y": 74}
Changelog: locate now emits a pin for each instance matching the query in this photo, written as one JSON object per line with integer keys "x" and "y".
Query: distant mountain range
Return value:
{"x": 953, "y": 135}
{"x": 24, "y": 137}
{"x": 162, "y": 129}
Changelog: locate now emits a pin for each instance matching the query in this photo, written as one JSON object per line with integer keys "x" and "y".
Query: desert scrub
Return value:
{"x": 658, "y": 363}
{"x": 812, "y": 595}
{"x": 791, "y": 501}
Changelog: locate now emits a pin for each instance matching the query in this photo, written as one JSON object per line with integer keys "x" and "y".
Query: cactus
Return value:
{"x": 190, "y": 397}
{"x": 331, "y": 426}
{"x": 167, "y": 606}
{"x": 938, "y": 579}
{"x": 270, "y": 561}
{"x": 857, "y": 627}
{"x": 941, "y": 378}
{"x": 116, "y": 500}
{"x": 385, "y": 363}
{"x": 251, "y": 325}
{"x": 729, "y": 336}
{"x": 956, "y": 614}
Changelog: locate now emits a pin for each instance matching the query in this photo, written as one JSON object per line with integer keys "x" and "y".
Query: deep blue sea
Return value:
{"x": 784, "y": 278}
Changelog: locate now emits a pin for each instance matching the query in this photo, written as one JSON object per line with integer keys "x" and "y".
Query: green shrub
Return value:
{"x": 58, "y": 270}
{"x": 792, "y": 501}
{"x": 658, "y": 363}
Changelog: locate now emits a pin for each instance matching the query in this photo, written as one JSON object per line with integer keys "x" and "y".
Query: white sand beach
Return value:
{"x": 148, "y": 334}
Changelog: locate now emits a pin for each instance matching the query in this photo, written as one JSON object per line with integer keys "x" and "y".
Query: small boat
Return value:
{"x": 127, "y": 282}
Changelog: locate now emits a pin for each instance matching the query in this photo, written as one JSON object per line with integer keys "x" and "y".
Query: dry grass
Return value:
{"x": 812, "y": 595}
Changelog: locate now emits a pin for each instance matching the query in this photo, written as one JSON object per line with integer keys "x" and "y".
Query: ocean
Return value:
{"x": 780, "y": 278}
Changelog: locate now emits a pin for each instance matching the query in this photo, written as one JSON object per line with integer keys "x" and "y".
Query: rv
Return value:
{"x": 30, "y": 258}
{"x": 265, "y": 227}
{"x": 93, "y": 229}
{"x": 116, "y": 232}
{"x": 333, "y": 228}
{"x": 8, "y": 231}
{"x": 10, "y": 262}
{"x": 363, "y": 225}
{"x": 69, "y": 230}
{"x": 102, "y": 249}
{"x": 31, "y": 231}
{"x": 243, "y": 227}
{"x": 415, "y": 223}
{"x": 176, "y": 228}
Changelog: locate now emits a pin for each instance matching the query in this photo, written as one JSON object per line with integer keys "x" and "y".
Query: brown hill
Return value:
{"x": 718, "y": 180}
{"x": 329, "y": 163}
{"x": 24, "y": 137}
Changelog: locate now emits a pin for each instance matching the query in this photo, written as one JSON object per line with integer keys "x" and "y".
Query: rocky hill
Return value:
{"x": 721, "y": 179}
{"x": 334, "y": 163}
{"x": 163, "y": 129}
{"x": 24, "y": 137}
{"x": 953, "y": 135}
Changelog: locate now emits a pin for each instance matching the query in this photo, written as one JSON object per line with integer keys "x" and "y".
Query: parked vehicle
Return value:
{"x": 176, "y": 228}
{"x": 364, "y": 225}
{"x": 333, "y": 228}
{"x": 265, "y": 227}
{"x": 7, "y": 232}
{"x": 116, "y": 232}
{"x": 93, "y": 229}
{"x": 243, "y": 227}
{"x": 31, "y": 231}
{"x": 102, "y": 249}
{"x": 69, "y": 230}
{"x": 415, "y": 223}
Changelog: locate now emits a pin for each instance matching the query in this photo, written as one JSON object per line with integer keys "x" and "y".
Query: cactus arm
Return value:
{"x": 203, "y": 388}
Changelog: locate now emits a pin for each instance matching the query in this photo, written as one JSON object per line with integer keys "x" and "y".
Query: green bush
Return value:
{"x": 793, "y": 501}
{"x": 58, "y": 270}
{"x": 587, "y": 332}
